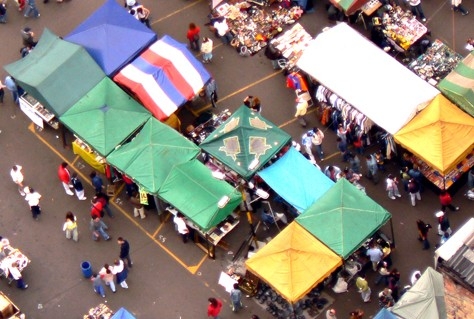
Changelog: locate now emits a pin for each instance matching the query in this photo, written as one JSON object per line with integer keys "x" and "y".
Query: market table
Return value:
{"x": 88, "y": 155}
{"x": 402, "y": 28}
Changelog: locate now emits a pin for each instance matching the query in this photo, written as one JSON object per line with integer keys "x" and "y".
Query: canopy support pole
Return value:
{"x": 393, "y": 234}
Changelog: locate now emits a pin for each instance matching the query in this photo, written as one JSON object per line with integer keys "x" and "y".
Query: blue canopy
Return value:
{"x": 112, "y": 37}
{"x": 295, "y": 179}
{"x": 385, "y": 314}
{"x": 122, "y": 313}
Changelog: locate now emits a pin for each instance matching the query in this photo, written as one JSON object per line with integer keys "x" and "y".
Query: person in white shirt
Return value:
{"x": 106, "y": 273}
{"x": 17, "y": 177}
{"x": 120, "y": 272}
{"x": 33, "y": 197}
{"x": 15, "y": 273}
{"x": 416, "y": 9}
{"x": 181, "y": 226}
{"x": 206, "y": 50}
{"x": 222, "y": 30}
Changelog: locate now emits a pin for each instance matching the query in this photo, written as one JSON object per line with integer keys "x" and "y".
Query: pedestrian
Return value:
{"x": 416, "y": 9}
{"x": 470, "y": 179}
{"x": 383, "y": 274}
{"x": 354, "y": 161}
{"x": 97, "y": 285}
{"x": 372, "y": 168}
{"x": 301, "y": 109}
{"x": 130, "y": 186}
{"x": 375, "y": 254}
{"x": 11, "y": 85}
{"x": 98, "y": 228}
{"x": 363, "y": 286}
{"x": 70, "y": 227}
{"x": 423, "y": 230}
{"x": 31, "y": 8}
{"x": 356, "y": 314}
{"x": 380, "y": 159}
{"x": 138, "y": 208}
{"x": 332, "y": 172}
{"x": 65, "y": 178}
{"x": 107, "y": 275}
{"x": 2, "y": 92}
{"x": 236, "y": 298}
{"x": 206, "y": 50}
{"x": 414, "y": 190}
{"x": 17, "y": 177}
{"x": 405, "y": 178}
{"x": 97, "y": 182}
{"x": 96, "y": 208}
{"x": 193, "y": 36}
{"x": 385, "y": 298}
{"x": 78, "y": 188}
{"x": 21, "y": 5}
{"x": 331, "y": 314}
{"x": 307, "y": 144}
{"x": 181, "y": 227}
{"x": 104, "y": 200}
{"x": 120, "y": 272}
{"x": 342, "y": 147}
{"x": 443, "y": 224}
{"x": 394, "y": 283}
{"x": 33, "y": 197}
{"x": 417, "y": 175}
{"x": 222, "y": 30}
{"x": 28, "y": 37}
{"x": 444, "y": 238}
{"x": 3, "y": 14}
{"x": 392, "y": 187}
{"x": 214, "y": 308}
{"x": 317, "y": 140}
{"x": 414, "y": 277}
{"x": 143, "y": 15}
{"x": 342, "y": 132}
{"x": 14, "y": 272}
{"x": 456, "y": 5}
{"x": 125, "y": 251}
{"x": 447, "y": 201}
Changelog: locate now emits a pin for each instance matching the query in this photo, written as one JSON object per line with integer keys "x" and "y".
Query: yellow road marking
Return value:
{"x": 176, "y": 12}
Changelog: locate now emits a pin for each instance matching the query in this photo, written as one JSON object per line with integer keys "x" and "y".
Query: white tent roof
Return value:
{"x": 366, "y": 77}
{"x": 452, "y": 245}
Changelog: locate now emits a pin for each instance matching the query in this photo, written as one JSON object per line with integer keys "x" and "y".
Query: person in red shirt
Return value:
{"x": 65, "y": 178}
{"x": 97, "y": 208}
{"x": 214, "y": 308}
{"x": 446, "y": 201}
{"x": 193, "y": 37}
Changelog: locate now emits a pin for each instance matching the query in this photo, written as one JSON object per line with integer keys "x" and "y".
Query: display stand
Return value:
{"x": 36, "y": 112}
{"x": 99, "y": 312}
{"x": 402, "y": 28}
{"x": 292, "y": 44}
{"x": 89, "y": 155}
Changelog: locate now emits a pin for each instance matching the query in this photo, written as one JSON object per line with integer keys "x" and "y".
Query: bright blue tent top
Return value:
{"x": 385, "y": 314}
{"x": 112, "y": 37}
{"x": 296, "y": 180}
{"x": 122, "y": 313}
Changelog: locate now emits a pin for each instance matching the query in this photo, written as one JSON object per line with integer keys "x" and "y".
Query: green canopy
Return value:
{"x": 105, "y": 117}
{"x": 149, "y": 157}
{"x": 191, "y": 188}
{"x": 56, "y": 73}
{"x": 245, "y": 137}
{"x": 343, "y": 218}
{"x": 458, "y": 86}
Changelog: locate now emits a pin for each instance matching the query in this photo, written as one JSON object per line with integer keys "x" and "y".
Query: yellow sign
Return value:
{"x": 143, "y": 197}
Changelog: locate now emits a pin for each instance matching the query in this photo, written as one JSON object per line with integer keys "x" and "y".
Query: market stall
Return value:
{"x": 458, "y": 86}
{"x": 101, "y": 311}
{"x": 52, "y": 59}
{"x": 442, "y": 139}
{"x": 8, "y": 310}
{"x": 245, "y": 142}
{"x": 112, "y": 36}
{"x": 36, "y": 112}
{"x": 370, "y": 76}
{"x": 349, "y": 6}
{"x": 436, "y": 63}
{"x": 10, "y": 256}
{"x": 296, "y": 180}
{"x": 164, "y": 77}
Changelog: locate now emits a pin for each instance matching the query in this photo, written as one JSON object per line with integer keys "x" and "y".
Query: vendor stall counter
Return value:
{"x": 10, "y": 256}
{"x": 89, "y": 155}
{"x": 99, "y": 312}
{"x": 402, "y": 28}
{"x": 292, "y": 44}
{"x": 36, "y": 112}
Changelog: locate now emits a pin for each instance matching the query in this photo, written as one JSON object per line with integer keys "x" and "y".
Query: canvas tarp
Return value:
{"x": 441, "y": 135}
{"x": 122, "y": 313}
{"x": 293, "y": 262}
{"x": 458, "y": 86}
{"x": 112, "y": 36}
{"x": 349, "y": 6}
{"x": 296, "y": 180}
{"x": 105, "y": 117}
{"x": 425, "y": 300}
{"x": 191, "y": 188}
{"x": 149, "y": 157}
{"x": 245, "y": 137}
{"x": 56, "y": 73}
{"x": 164, "y": 77}
{"x": 373, "y": 82}
{"x": 343, "y": 218}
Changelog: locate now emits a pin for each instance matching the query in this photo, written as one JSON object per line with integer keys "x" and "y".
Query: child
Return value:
{"x": 97, "y": 285}
{"x": 78, "y": 188}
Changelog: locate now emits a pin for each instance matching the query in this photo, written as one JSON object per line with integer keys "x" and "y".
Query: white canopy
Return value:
{"x": 365, "y": 76}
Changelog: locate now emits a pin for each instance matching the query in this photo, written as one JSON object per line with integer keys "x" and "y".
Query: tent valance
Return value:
{"x": 244, "y": 137}
{"x": 374, "y": 83}
{"x": 296, "y": 180}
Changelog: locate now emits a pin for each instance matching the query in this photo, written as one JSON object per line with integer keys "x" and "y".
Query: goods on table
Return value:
{"x": 402, "y": 27}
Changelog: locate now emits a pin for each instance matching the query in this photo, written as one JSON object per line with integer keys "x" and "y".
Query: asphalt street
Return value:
{"x": 171, "y": 279}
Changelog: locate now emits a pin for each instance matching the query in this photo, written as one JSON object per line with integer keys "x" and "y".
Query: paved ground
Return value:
{"x": 169, "y": 280}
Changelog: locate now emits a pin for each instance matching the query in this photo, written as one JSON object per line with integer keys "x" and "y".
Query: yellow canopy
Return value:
{"x": 441, "y": 135}
{"x": 293, "y": 262}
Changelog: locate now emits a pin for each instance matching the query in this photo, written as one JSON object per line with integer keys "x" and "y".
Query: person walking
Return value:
{"x": 106, "y": 273}
{"x": 301, "y": 109}
{"x": 306, "y": 141}
{"x": 372, "y": 168}
{"x": 236, "y": 298}
{"x": 11, "y": 85}
{"x": 97, "y": 285}
{"x": 317, "y": 140}
{"x": 125, "y": 251}
{"x": 443, "y": 224}
{"x": 206, "y": 50}
{"x": 214, "y": 308}
{"x": 414, "y": 190}
{"x": 31, "y": 9}
{"x": 65, "y": 178}
{"x": 33, "y": 197}
{"x": 456, "y": 5}
{"x": 98, "y": 227}
{"x": 96, "y": 208}
{"x": 331, "y": 314}
{"x": 363, "y": 286}
{"x": 70, "y": 227}
{"x": 143, "y": 15}
{"x": 97, "y": 182}
{"x": 392, "y": 187}
{"x": 17, "y": 177}
{"x": 104, "y": 200}
{"x": 416, "y": 9}
{"x": 78, "y": 188}
{"x": 423, "y": 230}
{"x": 446, "y": 201}
{"x": 3, "y": 14}
{"x": 193, "y": 36}
{"x": 120, "y": 272}
{"x": 417, "y": 175}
